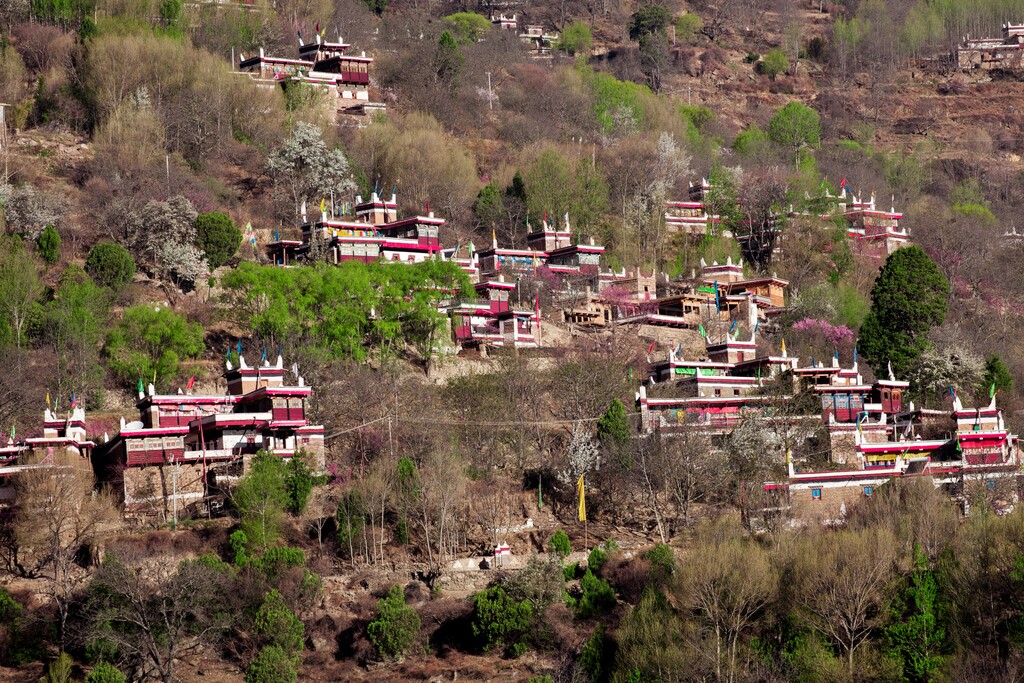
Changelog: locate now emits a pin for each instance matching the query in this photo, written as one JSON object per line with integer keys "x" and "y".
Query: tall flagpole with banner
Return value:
{"x": 581, "y": 492}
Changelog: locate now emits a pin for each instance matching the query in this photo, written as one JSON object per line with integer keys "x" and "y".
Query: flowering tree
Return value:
{"x": 307, "y": 168}
{"x": 162, "y": 236}
{"x": 818, "y": 338}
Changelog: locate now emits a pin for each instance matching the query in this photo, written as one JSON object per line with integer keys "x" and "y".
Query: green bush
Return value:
{"x": 272, "y": 665}
{"x": 218, "y": 237}
{"x": 498, "y": 619}
{"x": 688, "y": 26}
{"x": 59, "y": 670}
{"x": 576, "y": 39}
{"x": 105, "y": 673}
{"x": 596, "y": 559}
{"x": 597, "y": 596}
{"x": 593, "y": 655}
{"x": 277, "y": 559}
{"x": 239, "y": 546}
{"x": 10, "y": 609}
{"x": 775, "y": 63}
{"x": 48, "y": 245}
{"x": 569, "y": 571}
{"x": 559, "y": 544}
{"x": 110, "y": 265}
{"x": 699, "y": 116}
{"x": 752, "y": 142}
{"x": 662, "y": 559}
{"x": 467, "y": 27}
{"x": 276, "y": 624}
{"x": 396, "y": 626}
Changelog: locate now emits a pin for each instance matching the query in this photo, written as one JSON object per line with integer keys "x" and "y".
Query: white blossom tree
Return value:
{"x": 582, "y": 455}
{"x": 163, "y": 238}
{"x": 307, "y": 168}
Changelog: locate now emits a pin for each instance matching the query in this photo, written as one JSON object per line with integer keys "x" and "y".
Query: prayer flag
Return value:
{"x": 992, "y": 390}
{"x": 783, "y": 347}
{"x": 581, "y": 492}
{"x": 842, "y": 183}
{"x": 650, "y": 348}
{"x": 74, "y": 400}
{"x": 700, "y": 328}
{"x": 142, "y": 389}
{"x": 12, "y": 432}
{"x": 47, "y": 399}
{"x": 191, "y": 383}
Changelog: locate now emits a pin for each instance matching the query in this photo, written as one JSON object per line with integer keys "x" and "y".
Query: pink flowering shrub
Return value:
{"x": 821, "y": 339}
{"x": 836, "y": 335}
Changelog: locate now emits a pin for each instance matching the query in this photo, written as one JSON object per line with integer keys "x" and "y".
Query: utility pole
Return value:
{"x": 490, "y": 93}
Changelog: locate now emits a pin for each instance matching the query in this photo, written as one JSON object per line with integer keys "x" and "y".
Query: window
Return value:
{"x": 718, "y": 392}
{"x": 868, "y": 490}
{"x": 991, "y": 485}
{"x": 815, "y": 494}
{"x": 735, "y": 392}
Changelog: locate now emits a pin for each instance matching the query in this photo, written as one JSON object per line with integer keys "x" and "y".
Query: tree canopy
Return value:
{"x": 796, "y": 128}
{"x": 149, "y": 343}
{"x": 349, "y": 309}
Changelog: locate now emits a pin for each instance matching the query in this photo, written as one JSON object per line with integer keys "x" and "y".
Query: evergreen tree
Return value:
{"x": 997, "y": 375}
{"x": 49, "y": 245}
{"x": 218, "y": 237}
{"x": 917, "y": 636}
{"x": 448, "y": 60}
{"x": 648, "y": 28}
{"x": 909, "y": 297}
{"x": 298, "y": 481}
{"x": 110, "y": 265}
{"x": 614, "y": 424}
{"x": 261, "y": 498}
{"x": 393, "y": 631}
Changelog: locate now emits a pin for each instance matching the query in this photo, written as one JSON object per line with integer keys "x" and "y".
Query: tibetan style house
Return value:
{"x": 184, "y": 447}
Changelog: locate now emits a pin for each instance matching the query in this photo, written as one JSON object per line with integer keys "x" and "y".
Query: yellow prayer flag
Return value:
{"x": 323, "y": 205}
{"x": 47, "y": 399}
{"x": 783, "y": 347}
{"x": 583, "y": 499}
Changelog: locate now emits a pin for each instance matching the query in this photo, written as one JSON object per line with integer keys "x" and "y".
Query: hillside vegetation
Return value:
{"x": 137, "y": 158}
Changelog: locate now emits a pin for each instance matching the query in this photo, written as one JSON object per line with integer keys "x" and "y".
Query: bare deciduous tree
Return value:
{"x": 728, "y": 583}
{"x": 846, "y": 590}
{"x": 158, "y": 612}
{"x": 58, "y": 514}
